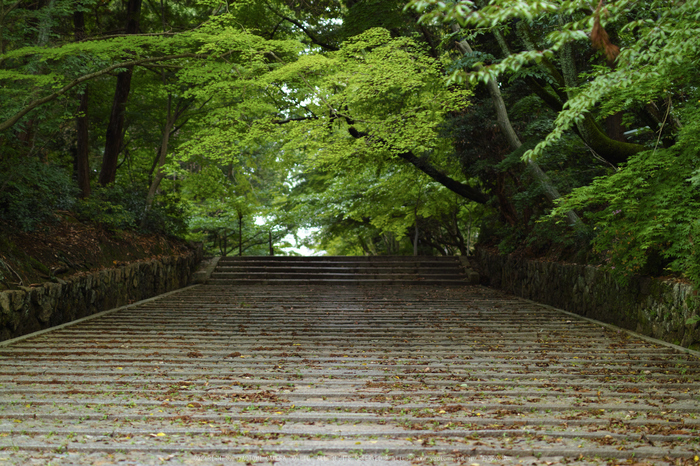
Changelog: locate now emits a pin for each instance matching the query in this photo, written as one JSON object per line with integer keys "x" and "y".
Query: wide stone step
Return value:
{"x": 339, "y": 268}
{"x": 360, "y": 270}
{"x": 345, "y": 265}
{"x": 316, "y": 274}
{"x": 349, "y": 259}
{"x": 340, "y": 281}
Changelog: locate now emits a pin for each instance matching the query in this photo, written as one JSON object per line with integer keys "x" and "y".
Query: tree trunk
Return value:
{"x": 163, "y": 152}
{"x": 588, "y": 129}
{"x": 415, "y": 238}
{"x": 504, "y": 123}
{"x": 115, "y": 129}
{"x": 469, "y": 234}
{"x": 614, "y": 127}
{"x": 45, "y": 26}
{"x": 240, "y": 235}
{"x": 82, "y": 154}
{"x": 459, "y": 237}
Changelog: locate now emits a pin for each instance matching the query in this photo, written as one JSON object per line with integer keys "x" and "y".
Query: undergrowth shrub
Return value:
{"x": 105, "y": 208}
{"x": 122, "y": 207}
{"x": 30, "y": 191}
{"x": 646, "y": 216}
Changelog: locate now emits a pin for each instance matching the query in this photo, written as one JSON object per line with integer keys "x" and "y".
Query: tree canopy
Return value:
{"x": 556, "y": 128}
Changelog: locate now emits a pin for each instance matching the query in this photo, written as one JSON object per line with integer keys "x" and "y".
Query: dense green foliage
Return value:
{"x": 566, "y": 129}
{"x": 641, "y": 211}
{"x": 31, "y": 191}
{"x": 646, "y": 214}
{"x": 122, "y": 207}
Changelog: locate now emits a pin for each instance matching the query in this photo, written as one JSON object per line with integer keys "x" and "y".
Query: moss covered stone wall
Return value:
{"x": 34, "y": 308}
{"x": 652, "y": 307}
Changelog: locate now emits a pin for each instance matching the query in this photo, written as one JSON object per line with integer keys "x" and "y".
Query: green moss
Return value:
{"x": 36, "y": 265}
{"x": 67, "y": 217}
{"x": 610, "y": 149}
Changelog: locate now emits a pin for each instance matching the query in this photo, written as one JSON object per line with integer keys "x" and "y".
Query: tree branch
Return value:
{"x": 289, "y": 120}
{"x": 453, "y": 185}
{"x": 12, "y": 7}
{"x": 513, "y": 140}
{"x": 525, "y": 34}
{"x": 38, "y": 102}
{"x": 613, "y": 151}
{"x": 151, "y": 34}
{"x": 308, "y": 33}
{"x": 429, "y": 169}
{"x": 114, "y": 36}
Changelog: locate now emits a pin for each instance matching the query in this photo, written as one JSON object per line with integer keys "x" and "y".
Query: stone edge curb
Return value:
{"x": 614, "y": 327}
{"x": 90, "y": 317}
{"x": 471, "y": 276}
{"x": 206, "y": 268}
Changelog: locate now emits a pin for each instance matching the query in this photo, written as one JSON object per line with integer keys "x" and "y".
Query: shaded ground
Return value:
{"x": 65, "y": 247}
{"x": 345, "y": 375}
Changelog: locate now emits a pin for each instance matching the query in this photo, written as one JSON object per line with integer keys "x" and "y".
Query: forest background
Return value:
{"x": 558, "y": 129}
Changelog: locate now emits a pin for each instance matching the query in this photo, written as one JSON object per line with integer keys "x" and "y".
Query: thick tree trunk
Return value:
{"x": 115, "y": 129}
{"x": 82, "y": 154}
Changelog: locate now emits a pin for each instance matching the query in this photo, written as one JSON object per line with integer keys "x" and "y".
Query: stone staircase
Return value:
{"x": 333, "y": 375}
{"x": 343, "y": 270}
{"x": 288, "y": 374}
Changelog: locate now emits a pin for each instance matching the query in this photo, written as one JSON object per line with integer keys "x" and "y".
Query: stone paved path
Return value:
{"x": 345, "y": 375}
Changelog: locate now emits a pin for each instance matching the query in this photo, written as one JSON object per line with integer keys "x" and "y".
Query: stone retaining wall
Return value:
{"x": 649, "y": 306}
{"x": 30, "y": 309}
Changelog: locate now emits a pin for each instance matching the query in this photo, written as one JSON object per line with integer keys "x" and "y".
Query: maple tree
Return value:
{"x": 397, "y": 124}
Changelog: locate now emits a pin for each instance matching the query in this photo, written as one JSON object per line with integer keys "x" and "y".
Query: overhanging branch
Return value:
{"x": 289, "y": 120}
{"x": 39, "y": 102}
{"x": 453, "y": 185}
{"x": 429, "y": 169}
{"x": 306, "y": 31}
